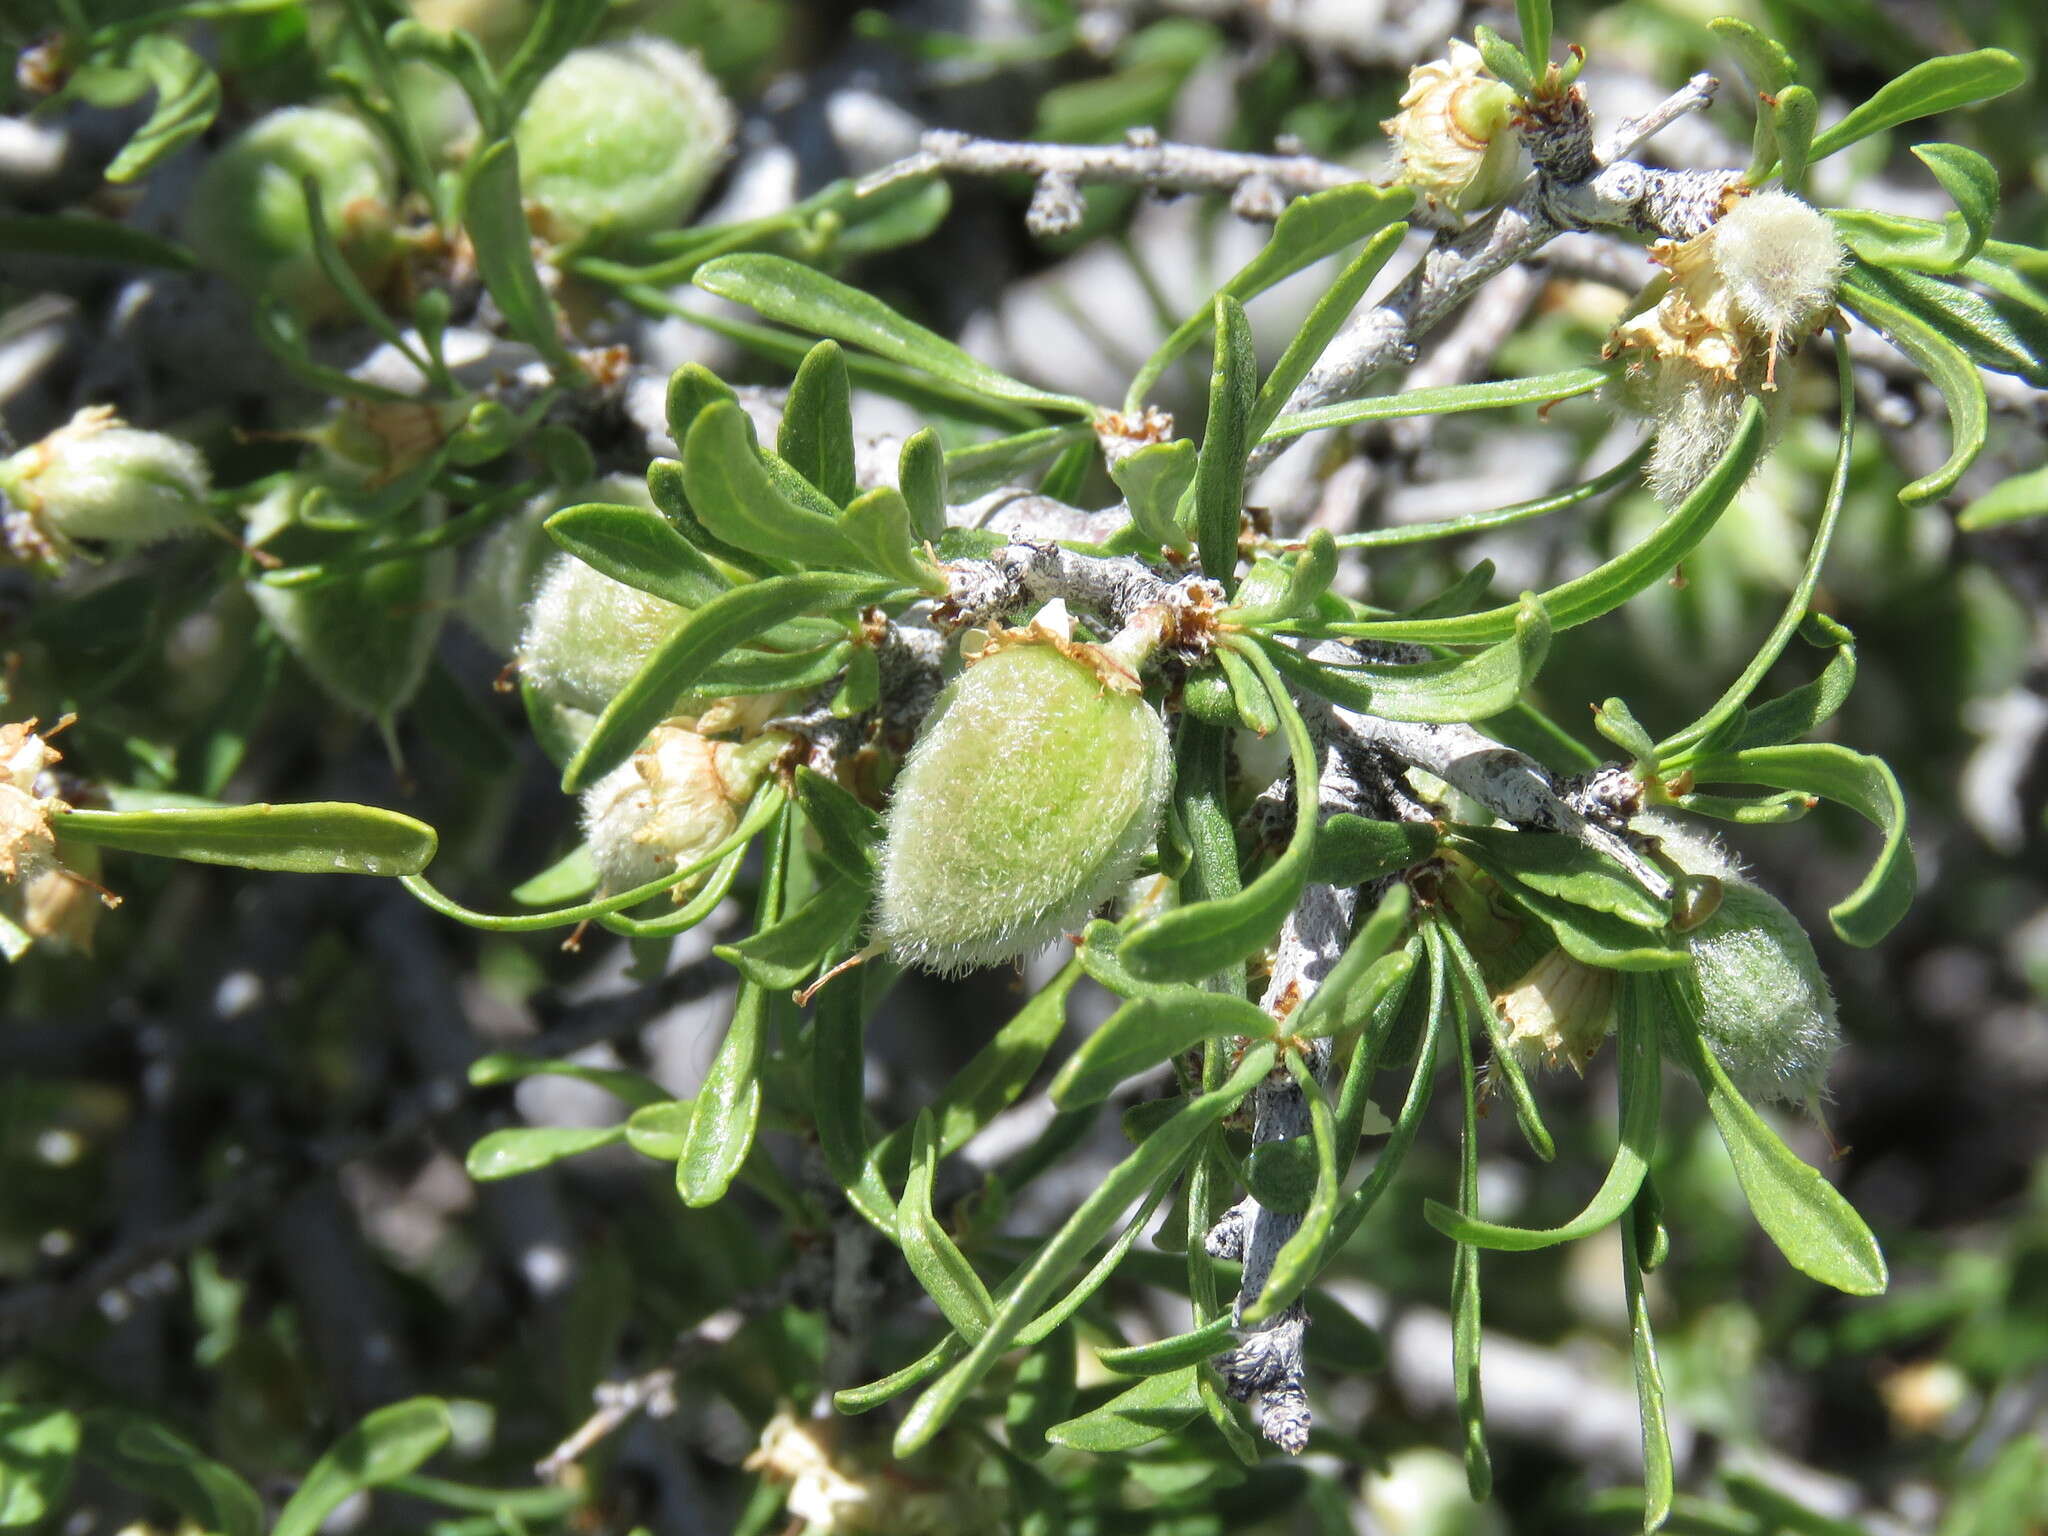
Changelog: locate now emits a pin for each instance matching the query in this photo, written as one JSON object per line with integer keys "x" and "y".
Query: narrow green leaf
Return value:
{"x": 921, "y": 471}
{"x": 1193, "y": 942}
{"x": 937, "y": 1262}
{"x": 2013, "y": 500}
{"x": 1301, "y": 1255}
{"x": 1640, "y": 1080}
{"x": 733, "y": 496}
{"x": 187, "y": 101}
{"x": 1321, "y": 327}
{"x": 81, "y": 237}
{"x": 1935, "y": 85}
{"x": 1307, "y": 578}
{"x": 1148, "y": 1030}
{"x": 1798, "y": 714}
{"x": 386, "y": 1444}
{"x": 496, "y": 221}
{"x": 1308, "y": 229}
{"x": 1218, "y": 494}
{"x": 335, "y": 267}
{"x": 729, "y": 620}
{"x": 1988, "y": 335}
{"x": 985, "y": 467}
{"x": 1332, "y": 1006}
{"x": 1183, "y": 1349}
{"x": 1466, "y": 1332}
{"x": 641, "y": 549}
{"x": 838, "y": 1083}
{"x": 556, "y": 28}
{"x": 1794, "y": 114}
{"x": 879, "y": 526}
{"x": 525, "y": 1148}
{"x": 1866, "y": 786}
{"x": 1248, "y": 696}
{"x": 1507, "y": 1064}
{"x": 1608, "y": 586}
{"x": 1137, "y": 1416}
{"x": 1450, "y": 689}
{"x": 1659, "y": 1478}
{"x": 1444, "y": 400}
{"x": 1351, "y": 850}
{"x": 1042, "y": 1392}
{"x": 143, "y": 1455}
{"x": 1153, "y": 480}
{"x": 1155, "y": 1160}
{"x": 499, "y": 1067}
{"x": 1534, "y": 17}
{"x": 785, "y": 953}
{"x": 1357, "y": 1205}
{"x": 1944, "y": 363}
{"x": 1562, "y": 867}
{"x": 1505, "y": 60}
{"x": 872, "y": 1395}
{"x": 1817, "y": 1230}
{"x": 797, "y": 295}
{"x": 1766, "y": 63}
{"x": 315, "y": 838}
{"x": 816, "y": 435}
{"x": 1627, "y": 472}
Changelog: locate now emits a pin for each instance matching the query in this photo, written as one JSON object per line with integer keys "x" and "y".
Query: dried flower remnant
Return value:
{"x": 46, "y": 898}
{"x": 1559, "y": 1011}
{"x": 1454, "y": 141}
{"x": 671, "y": 803}
{"x": 1739, "y": 294}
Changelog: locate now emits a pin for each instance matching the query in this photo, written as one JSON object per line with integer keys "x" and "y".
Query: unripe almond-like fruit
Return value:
{"x": 1453, "y": 137}
{"x": 1030, "y": 797}
{"x": 248, "y": 218}
{"x": 621, "y": 139}
{"x": 677, "y": 798}
{"x": 1766, "y": 1011}
{"x": 94, "y": 478}
{"x": 587, "y": 635}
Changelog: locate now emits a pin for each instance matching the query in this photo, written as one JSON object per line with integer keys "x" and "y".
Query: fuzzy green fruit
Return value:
{"x": 1766, "y": 1011}
{"x": 588, "y": 635}
{"x": 1030, "y": 797}
{"x": 94, "y": 478}
{"x": 621, "y": 139}
{"x": 248, "y": 218}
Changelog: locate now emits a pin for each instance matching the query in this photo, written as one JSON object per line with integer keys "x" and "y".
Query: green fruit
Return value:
{"x": 248, "y": 217}
{"x": 1766, "y": 1011}
{"x": 366, "y": 636}
{"x": 1031, "y": 795}
{"x": 587, "y": 635}
{"x": 94, "y": 478}
{"x": 621, "y": 139}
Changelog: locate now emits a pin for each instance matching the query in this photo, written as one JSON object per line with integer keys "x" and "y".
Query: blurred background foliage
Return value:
{"x": 232, "y": 1137}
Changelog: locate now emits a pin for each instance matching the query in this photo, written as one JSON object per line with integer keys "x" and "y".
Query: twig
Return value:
{"x": 651, "y": 1392}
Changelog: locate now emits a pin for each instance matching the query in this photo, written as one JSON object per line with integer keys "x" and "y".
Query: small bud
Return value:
{"x": 672, "y": 802}
{"x": 587, "y": 635}
{"x": 1453, "y": 140}
{"x": 1034, "y": 790}
{"x": 248, "y": 217}
{"x": 94, "y": 478}
{"x": 621, "y": 138}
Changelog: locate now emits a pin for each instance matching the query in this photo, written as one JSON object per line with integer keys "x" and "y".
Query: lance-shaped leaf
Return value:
{"x": 847, "y": 830}
{"x": 838, "y": 1085}
{"x": 525, "y": 1148}
{"x": 730, "y": 620}
{"x": 1935, "y": 85}
{"x": 510, "y": 1067}
{"x": 1866, "y": 786}
{"x": 1944, "y": 363}
{"x": 937, "y": 1262}
{"x": 1922, "y": 245}
{"x": 1306, "y": 580}
{"x": 1042, "y": 1392}
{"x": 815, "y": 437}
{"x": 734, "y": 497}
{"x": 1444, "y": 400}
{"x": 1507, "y": 1063}
{"x": 797, "y": 295}
{"x": 921, "y": 472}
{"x": 1156, "y": 1159}
{"x": 143, "y": 1455}
{"x": 385, "y": 1446}
{"x": 1148, "y": 1030}
{"x": 2013, "y": 500}
{"x": 879, "y": 526}
{"x": 1302, "y": 1254}
{"x": 1351, "y": 850}
{"x": 1990, "y": 336}
{"x": 1153, "y": 1409}
{"x": 1447, "y": 690}
{"x": 496, "y": 221}
{"x": 1465, "y": 1322}
{"x": 1170, "y": 1354}
{"x": 1153, "y": 480}
{"x": 1658, "y": 1474}
{"x": 1640, "y": 1068}
{"x": 1195, "y": 941}
{"x": 1218, "y": 494}
{"x": 187, "y": 101}
{"x": 1308, "y": 229}
{"x": 316, "y": 838}
{"x": 1817, "y": 1230}
{"x": 1011, "y": 460}
{"x": 1321, "y": 327}
{"x": 1562, "y": 867}
{"x": 784, "y": 953}
{"x": 1606, "y": 587}
{"x": 1342, "y": 996}
{"x": 641, "y": 549}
